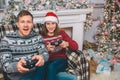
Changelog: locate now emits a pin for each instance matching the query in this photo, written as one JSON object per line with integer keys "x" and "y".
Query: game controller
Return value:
{"x": 56, "y": 43}
{"x": 30, "y": 63}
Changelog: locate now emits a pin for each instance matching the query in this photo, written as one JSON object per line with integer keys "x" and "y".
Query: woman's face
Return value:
{"x": 51, "y": 26}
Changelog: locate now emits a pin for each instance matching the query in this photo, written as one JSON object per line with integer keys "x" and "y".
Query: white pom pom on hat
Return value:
{"x": 51, "y": 16}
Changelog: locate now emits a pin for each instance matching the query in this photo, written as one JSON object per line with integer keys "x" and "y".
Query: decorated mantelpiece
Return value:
{"x": 39, "y": 5}
{"x": 72, "y": 14}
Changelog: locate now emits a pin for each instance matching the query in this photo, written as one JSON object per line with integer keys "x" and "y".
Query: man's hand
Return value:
{"x": 20, "y": 66}
{"x": 40, "y": 60}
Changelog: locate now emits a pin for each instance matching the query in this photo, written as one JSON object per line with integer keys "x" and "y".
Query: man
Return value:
{"x": 20, "y": 48}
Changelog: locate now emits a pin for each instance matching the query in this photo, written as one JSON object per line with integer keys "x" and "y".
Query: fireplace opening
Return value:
{"x": 68, "y": 30}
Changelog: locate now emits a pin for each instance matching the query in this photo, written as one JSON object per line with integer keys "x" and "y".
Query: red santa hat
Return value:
{"x": 51, "y": 16}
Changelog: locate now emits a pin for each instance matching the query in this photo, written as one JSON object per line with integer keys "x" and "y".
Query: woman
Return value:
{"x": 56, "y": 41}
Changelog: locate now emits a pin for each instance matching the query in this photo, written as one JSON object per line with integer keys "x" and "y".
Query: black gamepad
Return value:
{"x": 56, "y": 43}
{"x": 30, "y": 63}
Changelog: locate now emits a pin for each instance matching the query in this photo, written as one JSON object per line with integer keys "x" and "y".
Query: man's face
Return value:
{"x": 25, "y": 25}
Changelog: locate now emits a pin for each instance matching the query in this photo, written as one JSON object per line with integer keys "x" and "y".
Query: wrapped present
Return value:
{"x": 116, "y": 66}
{"x": 104, "y": 66}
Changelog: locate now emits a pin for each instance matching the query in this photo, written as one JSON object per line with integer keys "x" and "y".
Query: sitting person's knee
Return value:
{"x": 66, "y": 76}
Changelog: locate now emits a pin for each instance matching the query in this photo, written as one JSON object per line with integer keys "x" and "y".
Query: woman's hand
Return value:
{"x": 50, "y": 47}
{"x": 64, "y": 44}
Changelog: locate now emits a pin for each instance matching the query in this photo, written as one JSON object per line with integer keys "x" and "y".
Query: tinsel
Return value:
{"x": 88, "y": 22}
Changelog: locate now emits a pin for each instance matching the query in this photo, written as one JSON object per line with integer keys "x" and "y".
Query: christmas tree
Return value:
{"x": 108, "y": 32}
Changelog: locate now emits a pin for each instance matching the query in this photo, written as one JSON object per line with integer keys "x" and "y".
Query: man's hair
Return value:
{"x": 23, "y": 13}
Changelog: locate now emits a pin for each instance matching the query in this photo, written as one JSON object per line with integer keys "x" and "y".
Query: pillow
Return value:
{"x": 6, "y": 29}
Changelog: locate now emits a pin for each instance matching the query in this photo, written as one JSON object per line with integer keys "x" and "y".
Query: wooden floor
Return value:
{"x": 1, "y": 76}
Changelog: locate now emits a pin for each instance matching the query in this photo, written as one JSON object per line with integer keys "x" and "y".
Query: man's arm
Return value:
{"x": 6, "y": 58}
{"x": 43, "y": 49}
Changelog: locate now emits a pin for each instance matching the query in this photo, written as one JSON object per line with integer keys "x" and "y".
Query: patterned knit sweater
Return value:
{"x": 60, "y": 52}
{"x": 13, "y": 47}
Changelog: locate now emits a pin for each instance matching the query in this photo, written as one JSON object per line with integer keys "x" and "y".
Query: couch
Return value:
{"x": 84, "y": 71}
{"x": 5, "y": 29}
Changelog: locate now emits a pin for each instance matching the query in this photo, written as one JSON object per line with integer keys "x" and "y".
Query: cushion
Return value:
{"x": 6, "y": 29}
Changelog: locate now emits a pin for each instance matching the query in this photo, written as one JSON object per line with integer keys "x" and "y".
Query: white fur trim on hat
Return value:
{"x": 51, "y": 18}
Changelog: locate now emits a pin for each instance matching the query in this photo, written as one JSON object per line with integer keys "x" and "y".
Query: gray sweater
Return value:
{"x": 13, "y": 47}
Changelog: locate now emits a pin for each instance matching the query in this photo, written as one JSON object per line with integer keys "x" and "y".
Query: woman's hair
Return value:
{"x": 24, "y": 13}
{"x": 45, "y": 31}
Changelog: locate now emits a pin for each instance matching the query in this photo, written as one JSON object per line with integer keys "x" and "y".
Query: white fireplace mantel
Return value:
{"x": 74, "y": 18}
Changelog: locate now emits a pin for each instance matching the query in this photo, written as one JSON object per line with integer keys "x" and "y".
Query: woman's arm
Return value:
{"x": 72, "y": 44}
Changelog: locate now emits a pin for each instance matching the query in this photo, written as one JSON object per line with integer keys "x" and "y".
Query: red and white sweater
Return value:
{"x": 59, "y": 52}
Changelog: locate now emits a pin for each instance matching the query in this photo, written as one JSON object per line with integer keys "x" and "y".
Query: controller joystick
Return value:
{"x": 56, "y": 43}
{"x": 30, "y": 63}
